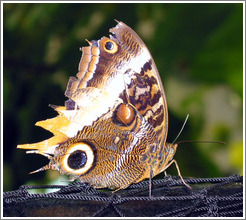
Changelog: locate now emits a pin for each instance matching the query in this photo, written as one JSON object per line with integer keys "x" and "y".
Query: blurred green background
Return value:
{"x": 198, "y": 49}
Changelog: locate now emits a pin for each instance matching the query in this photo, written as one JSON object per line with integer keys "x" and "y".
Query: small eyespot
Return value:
{"x": 110, "y": 46}
{"x": 125, "y": 114}
{"x": 78, "y": 159}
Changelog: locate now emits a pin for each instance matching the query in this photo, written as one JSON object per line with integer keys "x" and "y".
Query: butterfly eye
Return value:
{"x": 79, "y": 158}
{"x": 125, "y": 114}
{"x": 110, "y": 46}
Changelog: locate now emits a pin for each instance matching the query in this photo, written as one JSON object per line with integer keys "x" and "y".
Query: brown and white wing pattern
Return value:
{"x": 112, "y": 130}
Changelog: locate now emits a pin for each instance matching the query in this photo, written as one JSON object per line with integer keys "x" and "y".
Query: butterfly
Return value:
{"x": 113, "y": 128}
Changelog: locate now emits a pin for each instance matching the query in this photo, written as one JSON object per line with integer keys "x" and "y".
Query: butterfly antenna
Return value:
{"x": 181, "y": 128}
{"x": 194, "y": 141}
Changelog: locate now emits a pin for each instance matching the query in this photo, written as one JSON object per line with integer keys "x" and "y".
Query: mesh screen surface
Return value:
{"x": 209, "y": 197}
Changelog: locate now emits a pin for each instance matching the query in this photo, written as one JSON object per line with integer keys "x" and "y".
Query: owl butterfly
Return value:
{"x": 112, "y": 130}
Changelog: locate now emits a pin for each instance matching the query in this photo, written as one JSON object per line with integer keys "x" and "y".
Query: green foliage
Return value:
{"x": 198, "y": 49}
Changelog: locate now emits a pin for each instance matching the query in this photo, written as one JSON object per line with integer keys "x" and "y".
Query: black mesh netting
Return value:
{"x": 209, "y": 197}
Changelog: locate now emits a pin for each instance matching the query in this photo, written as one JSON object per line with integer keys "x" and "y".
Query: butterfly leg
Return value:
{"x": 116, "y": 190}
{"x": 179, "y": 173}
{"x": 150, "y": 183}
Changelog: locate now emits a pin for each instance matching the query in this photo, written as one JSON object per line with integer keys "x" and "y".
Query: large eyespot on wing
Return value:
{"x": 79, "y": 158}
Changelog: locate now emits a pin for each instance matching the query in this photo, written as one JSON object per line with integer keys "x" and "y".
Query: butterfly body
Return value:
{"x": 112, "y": 130}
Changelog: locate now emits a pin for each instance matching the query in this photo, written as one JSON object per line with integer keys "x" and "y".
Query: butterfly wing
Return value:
{"x": 95, "y": 138}
{"x": 128, "y": 72}
{"x": 108, "y": 153}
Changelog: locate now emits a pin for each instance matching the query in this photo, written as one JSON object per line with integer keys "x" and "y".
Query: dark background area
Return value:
{"x": 198, "y": 49}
